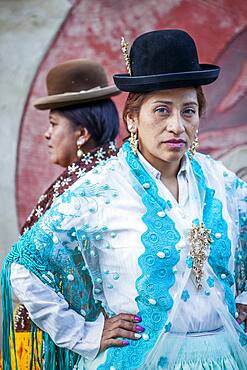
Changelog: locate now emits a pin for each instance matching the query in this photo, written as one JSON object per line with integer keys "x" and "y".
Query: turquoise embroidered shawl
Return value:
{"x": 37, "y": 250}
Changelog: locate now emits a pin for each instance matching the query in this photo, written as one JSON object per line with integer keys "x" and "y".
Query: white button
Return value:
{"x": 70, "y": 277}
{"x": 146, "y": 185}
{"x": 55, "y": 239}
{"x": 161, "y": 214}
{"x": 160, "y": 254}
{"x": 83, "y": 313}
{"x": 145, "y": 336}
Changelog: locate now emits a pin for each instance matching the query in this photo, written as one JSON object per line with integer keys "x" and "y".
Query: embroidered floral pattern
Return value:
{"x": 68, "y": 177}
{"x": 185, "y": 295}
{"x": 163, "y": 363}
{"x": 210, "y": 282}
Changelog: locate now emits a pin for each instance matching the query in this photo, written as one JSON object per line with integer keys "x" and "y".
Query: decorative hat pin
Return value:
{"x": 124, "y": 47}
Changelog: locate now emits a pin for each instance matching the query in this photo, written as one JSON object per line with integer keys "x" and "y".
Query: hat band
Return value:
{"x": 82, "y": 91}
{"x": 176, "y": 76}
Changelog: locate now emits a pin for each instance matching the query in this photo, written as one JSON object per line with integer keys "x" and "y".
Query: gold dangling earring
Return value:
{"x": 133, "y": 138}
{"x": 133, "y": 142}
{"x": 79, "y": 152}
{"x": 79, "y": 144}
{"x": 194, "y": 146}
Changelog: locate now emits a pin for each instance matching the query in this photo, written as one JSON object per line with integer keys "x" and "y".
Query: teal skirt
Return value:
{"x": 207, "y": 352}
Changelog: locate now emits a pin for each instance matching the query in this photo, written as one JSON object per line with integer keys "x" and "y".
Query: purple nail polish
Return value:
{"x": 137, "y": 319}
{"x": 139, "y": 328}
{"x": 239, "y": 321}
{"x": 125, "y": 342}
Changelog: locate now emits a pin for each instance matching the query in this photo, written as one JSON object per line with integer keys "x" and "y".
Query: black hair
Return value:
{"x": 99, "y": 118}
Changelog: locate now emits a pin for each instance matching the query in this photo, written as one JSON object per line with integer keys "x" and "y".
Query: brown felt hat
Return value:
{"x": 75, "y": 82}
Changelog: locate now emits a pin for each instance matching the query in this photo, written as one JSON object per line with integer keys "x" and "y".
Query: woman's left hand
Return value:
{"x": 242, "y": 314}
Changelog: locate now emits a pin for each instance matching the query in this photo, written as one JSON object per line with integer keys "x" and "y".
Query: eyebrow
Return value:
{"x": 170, "y": 102}
{"x": 191, "y": 103}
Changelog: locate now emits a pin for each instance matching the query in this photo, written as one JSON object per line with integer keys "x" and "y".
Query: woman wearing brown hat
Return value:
{"x": 83, "y": 126}
{"x": 161, "y": 228}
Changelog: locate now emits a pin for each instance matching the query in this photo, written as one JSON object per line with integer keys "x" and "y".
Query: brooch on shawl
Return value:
{"x": 199, "y": 239}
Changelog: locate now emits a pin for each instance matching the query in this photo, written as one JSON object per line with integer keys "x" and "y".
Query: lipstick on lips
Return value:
{"x": 175, "y": 143}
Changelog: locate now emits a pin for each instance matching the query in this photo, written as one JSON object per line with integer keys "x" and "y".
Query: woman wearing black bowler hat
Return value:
{"x": 162, "y": 229}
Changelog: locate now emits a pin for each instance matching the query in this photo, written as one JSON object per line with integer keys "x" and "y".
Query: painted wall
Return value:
{"x": 93, "y": 30}
{"x": 27, "y": 30}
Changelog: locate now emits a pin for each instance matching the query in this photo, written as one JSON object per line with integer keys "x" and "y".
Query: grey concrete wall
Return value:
{"x": 27, "y": 27}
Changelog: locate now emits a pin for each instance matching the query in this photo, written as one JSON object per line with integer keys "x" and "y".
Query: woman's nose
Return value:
{"x": 47, "y": 134}
{"x": 176, "y": 124}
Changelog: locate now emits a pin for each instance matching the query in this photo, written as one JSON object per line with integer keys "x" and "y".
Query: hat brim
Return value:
{"x": 208, "y": 74}
{"x": 67, "y": 99}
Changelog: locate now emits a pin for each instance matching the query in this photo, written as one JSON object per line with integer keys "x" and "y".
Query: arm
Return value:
{"x": 241, "y": 256}
{"x": 237, "y": 194}
{"x": 51, "y": 313}
{"x": 48, "y": 274}
{"x": 241, "y": 250}
{"x": 48, "y": 262}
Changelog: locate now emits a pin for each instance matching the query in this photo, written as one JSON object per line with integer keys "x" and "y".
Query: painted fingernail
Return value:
{"x": 139, "y": 328}
{"x": 125, "y": 342}
{"x": 137, "y": 336}
{"x": 137, "y": 319}
{"x": 239, "y": 321}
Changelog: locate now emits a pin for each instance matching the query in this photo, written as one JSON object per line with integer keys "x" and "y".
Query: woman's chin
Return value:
{"x": 55, "y": 160}
{"x": 172, "y": 156}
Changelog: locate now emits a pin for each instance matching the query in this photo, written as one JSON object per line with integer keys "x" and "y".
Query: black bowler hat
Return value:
{"x": 165, "y": 59}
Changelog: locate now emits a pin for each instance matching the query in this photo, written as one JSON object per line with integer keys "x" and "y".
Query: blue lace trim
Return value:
{"x": 154, "y": 299}
{"x": 220, "y": 249}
